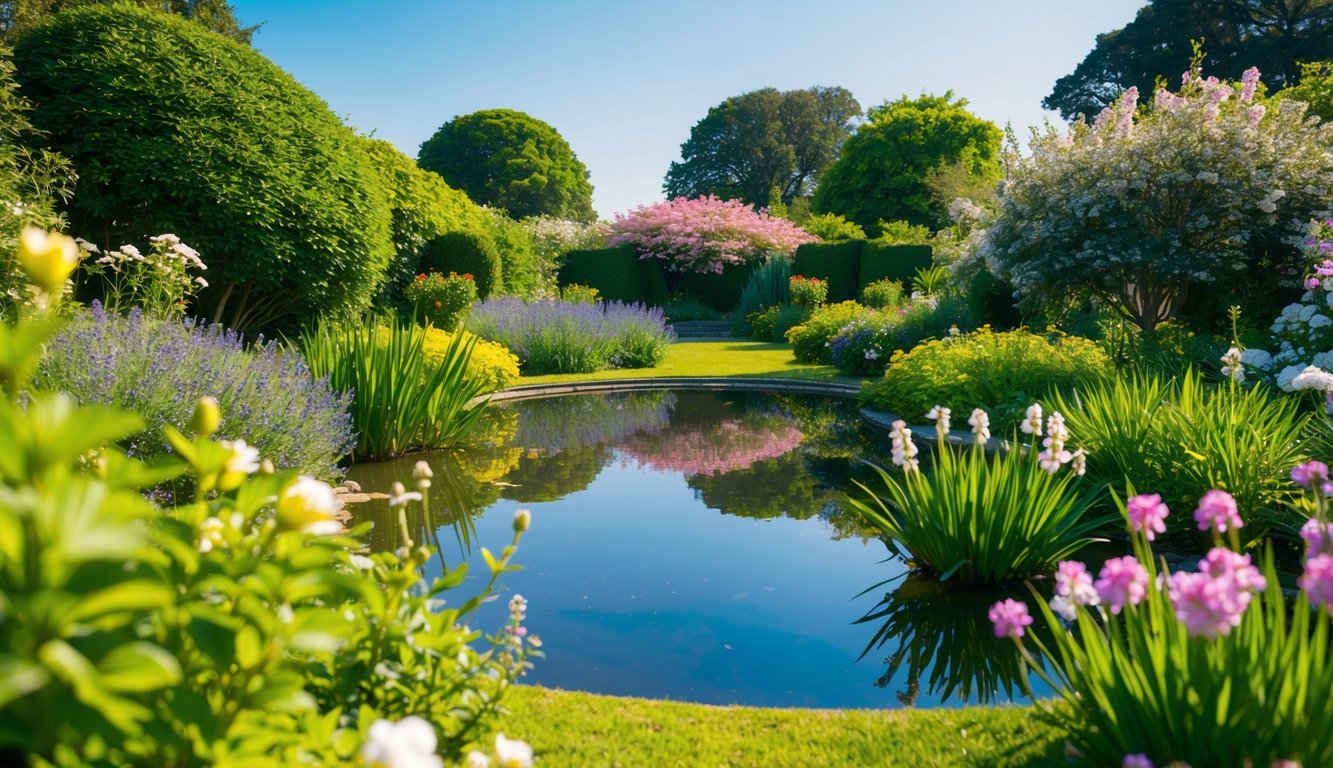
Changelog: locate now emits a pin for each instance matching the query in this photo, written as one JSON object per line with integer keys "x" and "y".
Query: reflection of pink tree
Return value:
{"x": 725, "y": 447}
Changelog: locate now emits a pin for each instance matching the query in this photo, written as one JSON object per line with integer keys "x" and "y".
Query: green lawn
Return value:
{"x": 582, "y": 730}
{"x": 713, "y": 358}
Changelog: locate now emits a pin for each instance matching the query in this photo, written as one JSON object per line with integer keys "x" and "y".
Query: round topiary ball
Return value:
{"x": 466, "y": 253}
{"x": 174, "y": 129}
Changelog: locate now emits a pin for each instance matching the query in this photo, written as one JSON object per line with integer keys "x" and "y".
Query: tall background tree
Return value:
{"x": 1273, "y": 35}
{"x": 883, "y": 173}
{"x": 754, "y": 143}
{"x": 511, "y": 160}
{"x": 16, "y": 16}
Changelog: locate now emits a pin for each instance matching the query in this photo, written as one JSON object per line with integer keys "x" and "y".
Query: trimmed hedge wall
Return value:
{"x": 614, "y": 272}
{"x": 892, "y": 262}
{"x": 655, "y": 291}
{"x": 838, "y": 263}
{"x": 720, "y": 292}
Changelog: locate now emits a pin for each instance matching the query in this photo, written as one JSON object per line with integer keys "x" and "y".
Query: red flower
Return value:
{"x": 421, "y": 276}
{"x": 467, "y": 275}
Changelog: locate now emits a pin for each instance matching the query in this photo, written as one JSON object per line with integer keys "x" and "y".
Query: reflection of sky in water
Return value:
{"x": 637, "y": 587}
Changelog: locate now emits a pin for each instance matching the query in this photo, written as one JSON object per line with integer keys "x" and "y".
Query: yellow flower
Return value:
{"x": 310, "y": 506}
{"x": 48, "y": 258}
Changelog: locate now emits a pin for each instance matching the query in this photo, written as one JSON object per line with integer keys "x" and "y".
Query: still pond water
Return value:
{"x": 696, "y": 546}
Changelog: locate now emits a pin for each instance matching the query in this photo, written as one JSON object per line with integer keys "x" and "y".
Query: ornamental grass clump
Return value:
{"x": 158, "y": 368}
{"x": 399, "y": 403}
{"x": 1210, "y": 666}
{"x": 551, "y": 336}
{"x": 978, "y": 517}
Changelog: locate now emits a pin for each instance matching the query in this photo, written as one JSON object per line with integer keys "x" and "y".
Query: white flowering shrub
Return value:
{"x": 1144, "y": 206}
{"x": 158, "y": 282}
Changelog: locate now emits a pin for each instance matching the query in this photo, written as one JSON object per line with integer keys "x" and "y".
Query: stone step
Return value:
{"x": 702, "y": 329}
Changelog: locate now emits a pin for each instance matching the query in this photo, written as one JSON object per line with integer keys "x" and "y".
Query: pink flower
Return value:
{"x": 1316, "y": 536}
{"x": 1249, "y": 82}
{"x": 1213, "y": 600}
{"x": 1009, "y": 617}
{"x": 1317, "y": 580}
{"x": 1222, "y": 563}
{"x": 1123, "y": 581}
{"x": 1147, "y": 513}
{"x": 1217, "y": 510}
{"x": 1310, "y": 474}
{"x": 1073, "y": 587}
{"x": 1136, "y": 761}
{"x": 1312, "y": 283}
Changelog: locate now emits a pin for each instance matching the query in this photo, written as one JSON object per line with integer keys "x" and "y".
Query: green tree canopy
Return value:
{"x": 1315, "y": 89}
{"x": 765, "y": 139}
{"x": 511, "y": 160}
{"x": 17, "y": 16}
{"x": 883, "y": 171}
{"x": 1273, "y": 35}
{"x": 174, "y": 129}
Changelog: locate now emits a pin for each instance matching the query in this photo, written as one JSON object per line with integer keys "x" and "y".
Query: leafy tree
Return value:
{"x": 752, "y": 143}
{"x": 1141, "y": 210}
{"x": 513, "y": 161}
{"x": 1273, "y": 35}
{"x": 174, "y": 129}
{"x": 17, "y": 16}
{"x": 883, "y": 171}
{"x": 831, "y": 226}
{"x": 1315, "y": 89}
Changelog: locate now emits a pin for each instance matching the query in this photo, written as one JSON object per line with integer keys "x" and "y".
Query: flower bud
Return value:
{"x": 522, "y": 521}
{"x": 207, "y": 417}
{"x": 48, "y": 258}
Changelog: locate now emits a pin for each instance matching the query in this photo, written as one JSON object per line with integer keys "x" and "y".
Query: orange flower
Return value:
{"x": 421, "y": 276}
{"x": 438, "y": 304}
{"x": 467, "y": 275}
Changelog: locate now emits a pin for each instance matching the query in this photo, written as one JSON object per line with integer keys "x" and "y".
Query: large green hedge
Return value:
{"x": 839, "y": 263}
{"x": 721, "y": 292}
{"x": 614, "y": 272}
{"x": 175, "y": 129}
{"x": 892, "y": 262}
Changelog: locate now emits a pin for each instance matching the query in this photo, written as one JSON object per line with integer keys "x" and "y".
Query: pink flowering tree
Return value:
{"x": 704, "y": 234}
{"x": 1146, "y": 204}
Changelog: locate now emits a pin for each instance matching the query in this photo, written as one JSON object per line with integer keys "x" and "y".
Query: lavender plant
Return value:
{"x": 159, "y": 368}
{"x": 551, "y": 336}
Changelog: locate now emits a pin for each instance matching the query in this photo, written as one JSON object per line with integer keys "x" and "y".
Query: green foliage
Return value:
{"x": 773, "y": 323}
{"x": 442, "y": 300}
{"x": 1160, "y": 43}
{"x": 721, "y": 291}
{"x": 422, "y": 207}
{"x": 552, "y": 238}
{"x": 980, "y": 518}
{"x": 812, "y": 340}
{"x": 1182, "y": 437}
{"x": 882, "y": 294}
{"x": 18, "y": 16}
{"x": 768, "y": 286}
{"x": 1000, "y": 372}
{"x": 614, "y": 272}
{"x": 1315, "y": 88}
{"x": 524, "y": 272}
{"x": 491, "y": 364}
{"x": 398, "y": 404}
{"x": 865, "y": 345}
{"x": 575, "y": 293}
{"x": 902, "y": 233}
{"x": 880, "y": 261}
{"x": 466, "y": 253}
{"x": 174, "y": 129}
{"x": 882, "y": 172}
{"x": 838, "y": 263}
{"x": 831, "y": 227}
{"x": 809, "y": 292}
{"x": 761, "y": 141}
{"x": 513, "y": 161}
{"x": 684, "y": 309}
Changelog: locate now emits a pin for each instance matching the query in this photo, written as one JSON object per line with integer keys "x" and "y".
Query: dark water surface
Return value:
{"x": 696, "y": 546}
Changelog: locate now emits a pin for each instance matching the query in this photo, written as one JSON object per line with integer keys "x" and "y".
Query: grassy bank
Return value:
{"x": 714, "y": 358}
{"x": 569, "y": 729}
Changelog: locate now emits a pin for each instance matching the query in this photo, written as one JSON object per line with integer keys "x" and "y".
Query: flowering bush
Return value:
{"x": 1302, "y": 341}
{"x": 807, "y": 291}
{"x": 1210, "y": 667}
{"x": 575, "y": 293}
{"x": 551, "y": 336}
{"x": 1141, "y": 206}
{"x": 812, "y": 341}
{"x": 490, "y": 364}
{"x": 159, "y": 283}
{"x": 552, "y": 238}
{"x": 1001, "y": 372}
{"x": 865, "y": 346}
{"x": 704, "y": 234}
{"x": 442, "y": 300}
{"x": 159, "y": 368}
{"x": 981, "y": 518}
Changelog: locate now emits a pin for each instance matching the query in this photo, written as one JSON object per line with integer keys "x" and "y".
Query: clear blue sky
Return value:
{"x": 623, "y": 82}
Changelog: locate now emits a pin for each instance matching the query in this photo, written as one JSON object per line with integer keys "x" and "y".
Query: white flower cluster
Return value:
{"x": 1303, "y": 331}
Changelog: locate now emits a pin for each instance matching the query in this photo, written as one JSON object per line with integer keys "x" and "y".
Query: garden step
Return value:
{"x": 702, "y": 329}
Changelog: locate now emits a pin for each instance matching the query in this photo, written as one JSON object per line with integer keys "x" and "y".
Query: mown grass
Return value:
{"x": 714, "y": 358}
{"x": 569, "y": 729}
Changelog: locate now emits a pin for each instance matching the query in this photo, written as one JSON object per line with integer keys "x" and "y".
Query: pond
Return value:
{"x": 696, "y": 546}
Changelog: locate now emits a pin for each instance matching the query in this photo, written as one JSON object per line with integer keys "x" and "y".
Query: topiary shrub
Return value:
{"x": 892, "y": 262}
{"x": 466, "y": 253}
{"x": 174, "y": 129}
{"x": 1000, "y": 372}
{"x": 838, "y": 263}
{"x": 812, "y": 340}
{"x": 614, "y": 272}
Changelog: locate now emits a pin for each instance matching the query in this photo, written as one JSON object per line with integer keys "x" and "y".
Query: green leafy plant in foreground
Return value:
{"x": 399, "y": 403}
{"x": 983, "y": 518}
{"x": 1212, "y": 667}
